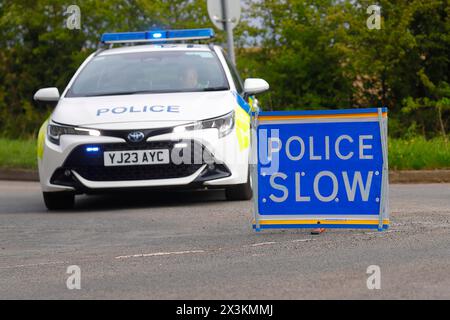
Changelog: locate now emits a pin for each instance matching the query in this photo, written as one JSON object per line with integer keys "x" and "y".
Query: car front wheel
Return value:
{"x": 59, "y": 200}
{"x": 240, "y": 192}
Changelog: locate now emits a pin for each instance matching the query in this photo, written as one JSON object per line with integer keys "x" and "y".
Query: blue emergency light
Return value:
{"x": 92, "y": 149}
{"x": 158, "y": 36}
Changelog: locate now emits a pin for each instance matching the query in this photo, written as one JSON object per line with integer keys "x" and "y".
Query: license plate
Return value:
{"x": 136, "y": 157}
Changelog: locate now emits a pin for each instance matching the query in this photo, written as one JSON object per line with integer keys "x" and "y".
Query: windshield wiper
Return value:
{"x": 180, "y": 90}
{"x": 107, "y": 94}
{"x": 151, "y": 91}
{"x": 215, "y": 89}
{"x": 123, "y": 93}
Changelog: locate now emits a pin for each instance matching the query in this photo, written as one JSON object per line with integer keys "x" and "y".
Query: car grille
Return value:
{"x": 90, "y": 165}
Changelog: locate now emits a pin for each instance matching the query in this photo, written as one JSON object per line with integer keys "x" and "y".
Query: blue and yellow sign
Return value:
{"x": 323, "y": 168}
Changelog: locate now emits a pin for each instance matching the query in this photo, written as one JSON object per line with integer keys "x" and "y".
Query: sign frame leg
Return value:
{"x": 254, "y": 168}
{"x": 385, "y": 176}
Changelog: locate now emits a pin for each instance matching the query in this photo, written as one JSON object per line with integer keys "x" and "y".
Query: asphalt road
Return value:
{"x": 199, "y": 246}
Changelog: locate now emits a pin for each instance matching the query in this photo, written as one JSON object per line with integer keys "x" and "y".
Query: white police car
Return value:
{"x": 159, "y": 114}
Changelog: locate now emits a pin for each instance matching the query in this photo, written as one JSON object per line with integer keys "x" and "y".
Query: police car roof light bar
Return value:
{"x": 157, "y": 36}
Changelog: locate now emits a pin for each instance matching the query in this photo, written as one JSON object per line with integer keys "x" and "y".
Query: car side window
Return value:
{"x": 235, "y": 75}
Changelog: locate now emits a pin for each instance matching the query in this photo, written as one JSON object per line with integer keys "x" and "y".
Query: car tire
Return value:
{"x": 240, "y": 192}
{"x": 59, "y": 200}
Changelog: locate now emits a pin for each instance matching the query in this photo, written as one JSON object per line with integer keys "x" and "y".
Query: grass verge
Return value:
{"x": 418, "y": 153}
{"x": 412, "y": 154}
{"x": 18, "y": 154}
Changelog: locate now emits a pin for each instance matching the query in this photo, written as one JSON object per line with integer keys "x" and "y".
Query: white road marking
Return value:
{"x": 379, "y": 232}
{"x": 35, "y": 264}
{"x": 302, "y": 240}
{"x": 156, "y": 254}
{"x": 262, "y": 244}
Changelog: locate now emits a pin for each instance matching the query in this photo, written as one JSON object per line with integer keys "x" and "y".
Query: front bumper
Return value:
{"x": 69, "y": 166}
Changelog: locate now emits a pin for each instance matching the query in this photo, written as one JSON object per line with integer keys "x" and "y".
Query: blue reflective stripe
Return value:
{"x": 320, "y": 112}
{"x": 242, "y": 103}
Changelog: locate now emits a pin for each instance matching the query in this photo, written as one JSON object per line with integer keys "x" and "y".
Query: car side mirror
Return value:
{"x": 254, "y": 86}
{"x": 47, "y": 95}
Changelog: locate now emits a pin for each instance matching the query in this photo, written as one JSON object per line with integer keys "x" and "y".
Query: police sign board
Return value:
{"x": 324, "y": 168}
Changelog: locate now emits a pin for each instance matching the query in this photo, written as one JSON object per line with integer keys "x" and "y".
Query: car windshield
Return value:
{"x": 150, "y": 72}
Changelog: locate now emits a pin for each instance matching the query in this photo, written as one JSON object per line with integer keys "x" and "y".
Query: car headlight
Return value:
{"x": 55, "y": 131}
{"x": 223, "y": 124}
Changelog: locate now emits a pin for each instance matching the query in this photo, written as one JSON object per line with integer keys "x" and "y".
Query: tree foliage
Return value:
{"x": 321, "y": 54}
{"x": 314, "y": 53}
